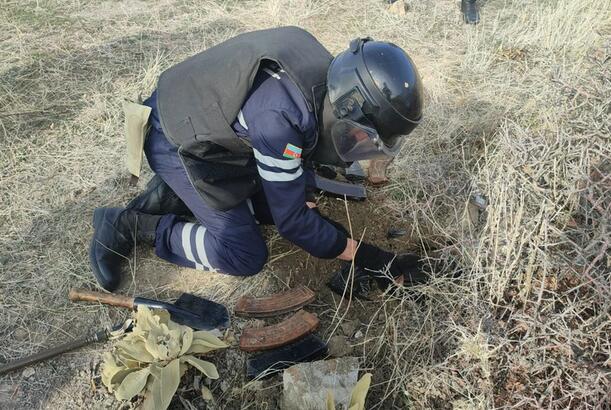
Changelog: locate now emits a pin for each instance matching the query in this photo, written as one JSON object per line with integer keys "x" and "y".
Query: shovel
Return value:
{"x": 189, "y": 310}
{"x": 101, "y": 336}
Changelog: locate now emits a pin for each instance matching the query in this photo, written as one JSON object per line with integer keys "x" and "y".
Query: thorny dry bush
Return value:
{"x": 517, "y": 114}
{"x": 513, "y": 196}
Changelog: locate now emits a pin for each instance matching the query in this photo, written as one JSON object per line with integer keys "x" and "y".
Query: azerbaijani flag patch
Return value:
{"x": 291, "y": 151}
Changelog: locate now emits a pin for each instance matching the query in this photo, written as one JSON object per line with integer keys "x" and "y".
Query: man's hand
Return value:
{"x": 348, "y": 253}
{"x": 403, "y": 267}
{"x": 377, "y": 261}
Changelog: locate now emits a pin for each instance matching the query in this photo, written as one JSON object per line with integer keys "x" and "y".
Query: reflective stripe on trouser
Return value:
{"x": 189, "y": 244}
{"x": 229, "y": 241}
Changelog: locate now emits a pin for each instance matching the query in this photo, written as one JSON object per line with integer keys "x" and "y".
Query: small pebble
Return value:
{"x": 394, "y": 233}
{"x": 480, "y": 201}
{"x": 349, "y": 326}
{"x": 28, "y": 372}
{"x": 20, "y": 334}
{"x": 339, "y": 346}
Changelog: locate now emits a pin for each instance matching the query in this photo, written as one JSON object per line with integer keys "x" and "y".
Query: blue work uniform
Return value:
{"x": 276, "y": 122}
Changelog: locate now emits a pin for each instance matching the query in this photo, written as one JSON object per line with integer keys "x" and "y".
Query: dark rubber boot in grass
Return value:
{"x": 159, "y": 199}
{"x": 116, "y": 231}
{"x": 470, "y": 11}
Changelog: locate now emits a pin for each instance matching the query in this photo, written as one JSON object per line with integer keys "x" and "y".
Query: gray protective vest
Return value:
{"x": 200, "y": 98}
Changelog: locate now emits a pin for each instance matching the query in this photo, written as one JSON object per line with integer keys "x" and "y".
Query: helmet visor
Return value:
{"x": 354, "y": 141}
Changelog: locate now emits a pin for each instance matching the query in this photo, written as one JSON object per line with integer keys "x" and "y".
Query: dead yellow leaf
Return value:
{"x": 163, "y": 387}
{"x": 357, "y": 400}
{"x": 133, "y": 384}
{"x": 207, "y": 394}
{"x": 330, "y": 400}
{"x": 203, "y": 366}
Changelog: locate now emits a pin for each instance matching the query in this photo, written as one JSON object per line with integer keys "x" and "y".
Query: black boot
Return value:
{"x": 159, "y": 199}
{"x": 470, "y": 11}
{"x": 116, "y": 230}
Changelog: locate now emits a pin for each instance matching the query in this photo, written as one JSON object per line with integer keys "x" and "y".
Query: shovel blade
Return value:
{"x": 193, "y": 311}
{"x": 211, "y": 315}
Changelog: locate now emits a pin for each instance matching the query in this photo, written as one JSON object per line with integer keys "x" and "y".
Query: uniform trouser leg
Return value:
{"x": 229, "y": 241}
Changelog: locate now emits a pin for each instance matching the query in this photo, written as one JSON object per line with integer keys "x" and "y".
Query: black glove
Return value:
{"x": 376, "y": 261}
{"x": 341, "y": 281}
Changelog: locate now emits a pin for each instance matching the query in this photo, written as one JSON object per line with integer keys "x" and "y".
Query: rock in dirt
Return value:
{"x": 306, "y": 384}
{"x": 395, "y": 232}
{"x": 349, "y": 326}
{"x": 20, "y": 334}
{"x": 28, "y": 372}
{"x": 377, "y": 167}
{"x": 339, "y": 346}
{"x": 398, "y": 7}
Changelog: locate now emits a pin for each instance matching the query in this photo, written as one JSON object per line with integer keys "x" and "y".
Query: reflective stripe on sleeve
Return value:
{"x": 275, "y": 162}
{"x": 279, "y": 176}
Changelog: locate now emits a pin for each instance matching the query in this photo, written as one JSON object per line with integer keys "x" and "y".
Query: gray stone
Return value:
{"x": 20, "y": 334}
{"x": 339, "y": 346}
{"x": 306, "y": 384}
{"x": 349, "y": 326}
{"x": 398, "y": 7}
{"x": 28, "y": 372}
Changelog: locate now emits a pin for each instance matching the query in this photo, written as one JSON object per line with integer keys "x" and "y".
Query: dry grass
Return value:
{"x": 517, "y": 111}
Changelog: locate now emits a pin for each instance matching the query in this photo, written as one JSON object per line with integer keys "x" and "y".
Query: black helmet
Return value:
{"x": 375, "y": 96}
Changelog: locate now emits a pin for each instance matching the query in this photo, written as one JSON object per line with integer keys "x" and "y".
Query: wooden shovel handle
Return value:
{"x": 78, "y": 294}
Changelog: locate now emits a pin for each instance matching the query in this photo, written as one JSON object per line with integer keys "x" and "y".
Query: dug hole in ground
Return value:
{"x": 504, "y": 189}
